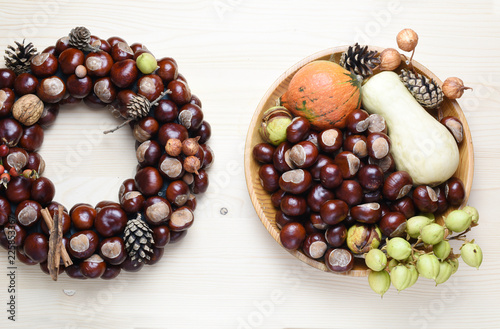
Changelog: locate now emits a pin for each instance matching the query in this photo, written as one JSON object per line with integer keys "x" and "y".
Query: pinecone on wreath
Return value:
{"x": 138, "y": 239}
{"x": 19, "y": 59}
{"x": 426, "y": 91}
{"x": 79, "y": 37}
{"x": 138, "y": 107}
{"x": 359, "y": 60}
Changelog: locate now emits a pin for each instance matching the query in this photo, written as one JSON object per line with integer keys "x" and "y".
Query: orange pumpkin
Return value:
{"x": 324, "y": 93}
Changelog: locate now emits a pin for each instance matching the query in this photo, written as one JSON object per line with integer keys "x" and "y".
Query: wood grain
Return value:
{"x": 228, "y": 268}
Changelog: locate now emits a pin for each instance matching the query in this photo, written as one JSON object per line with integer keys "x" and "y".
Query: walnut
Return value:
{"x": 28, "y": 109}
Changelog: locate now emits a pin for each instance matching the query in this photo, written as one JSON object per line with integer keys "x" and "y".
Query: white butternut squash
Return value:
{"x": 420, "y": 145}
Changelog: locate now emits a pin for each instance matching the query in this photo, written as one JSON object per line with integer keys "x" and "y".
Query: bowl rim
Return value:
{"x": 248, "y": 149}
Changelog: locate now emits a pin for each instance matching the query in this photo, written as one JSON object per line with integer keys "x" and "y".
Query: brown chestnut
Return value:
{"x": 83, "y": 217}
{"x": 156, "y": 256}
{"x": 269, "y": 178}
{"x": 356, "y": 122}
{"x": 83, "y": 244}
{"x": 393, "y": 224}
{"x": 124, "y": 73}
{"x": 181, "y": 94}
{"x": 350, "y": 192}
{"x": 330, "y": 140}
{"x": 292, "y": 235}
{"x": 295, "y": 181}
{"x": 131, "y": 265}
{"x": 44, "y": 65}
{"x": 111, "y": 272}
{"x": 314, "y": 246}
{"x": 387, "y": 164}
{"x": 112, "y": 250}
{"x": 145, "y": 129}
{"x": 14, "y": 235}
{"x": 98, "y": 64}
{"x": 172, "y": 131}
{"x": 11, "y": 131}
{"x": 165, "y": 111}
{"x": 348, "y": 164}
{"x": 405, "y": 206}
{"x": 148, "y": 181}
{"x": 74, "y": 272}
{"x": 208, "y": 156}
{"x": 191, "y": 116}
{"x": 204, "y": 132}
{"x": 339, "y": 260}
{"x": 121, "y": 51}
{"x": 331, "y": 176}
{"x": 275, "y": 198}
{"x": 170, "y": 167}
{"x": 105, "y": 90}
{"x": 148, "y": 153}
{"x": 455, "y": 127}
{"x": 442, "y": 202}
{"x": 371, "y": 177}
{"x": 281, "y": 219}
{"x": 455, "y": 191}
{"x": 36, "y": 247}
{"x": 49, "y": 115}
{"x": 335, "y": 235}
{"x": 333, "y": 211}
{"x": 367, "y": 213}
{"x": 317, "y": 196}
{"x": 28, "y": 213}
{"x": 281, "y": 157}
{"x": 110, "y": 221}
{"x": 177, "y": 193}
{"x": 200, "y": 183}
{"x": 51, "y": 90}
{"x": 70, "y": 59}
{"x": 114, "y": 40}
{"x": 7, "y": 77}
{"x": 181, "y": 219}
{"x": 62, "y": 44}
{"x": 32, "y": 138}
{"x": 18, "y": 189}
{"x": 93, "y": 267}
{"x": 297, "y": 129}
{"x": 157, "y": 210}
{"x": 5, "y": 210}
{"x": 317, "y": 222}
{"x": 25, "y": 83}
{"x": 7, "y": 98}
{"x": 132, "y": 202}
{"x": 167, "y": 69}
{"x": 150, "y": 86}
{"x": 397, "y": 185}
{"x": 376, "y": 124}
{"x": 378, "y": 145}
{"x": 23, "y": 258}
{"x": 128, "y": 185}
{"x": 293, "y": 205}
{"x": 304, "y": 154}
{"x": 425, "y": 199}
{"x": 263, "y": 152}
{"x": 315, "y": 169}
{"x": 161, "y": 236}
{"x": 356, "y": 144}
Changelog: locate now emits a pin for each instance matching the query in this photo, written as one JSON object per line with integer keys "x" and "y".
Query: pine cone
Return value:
{"x": 79, "y": 38}
{"x": 359, "y": 60}
{"x": 426, "y": 91}
{"x": 138, "y": 107}
{"x": 138, "y": 239}
{"x": 19, "y": 59}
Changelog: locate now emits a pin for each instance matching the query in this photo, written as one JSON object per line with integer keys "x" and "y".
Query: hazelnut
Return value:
{"x": 407, "y": 39}
{"x": 390, "y": 59}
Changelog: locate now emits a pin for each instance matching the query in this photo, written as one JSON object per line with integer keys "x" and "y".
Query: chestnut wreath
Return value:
{"x": 155, "y": 208}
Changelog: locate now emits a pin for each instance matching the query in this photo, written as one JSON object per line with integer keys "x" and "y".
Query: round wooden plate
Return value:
{"x": 262, "y": 200}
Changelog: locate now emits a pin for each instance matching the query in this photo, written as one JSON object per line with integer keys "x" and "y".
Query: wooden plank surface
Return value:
{"x": 229, "y": 272}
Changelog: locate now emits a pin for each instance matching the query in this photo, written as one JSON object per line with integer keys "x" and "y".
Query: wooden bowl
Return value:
{"x": 262, "y": 199}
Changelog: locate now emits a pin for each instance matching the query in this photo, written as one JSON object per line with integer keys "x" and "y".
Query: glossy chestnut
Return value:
{"x": 335, "y": 235}
{"x": 405, "y": 206}
{"x": 281, "y": 157}
{"x": 331, "y": 176}
{"x": 330, "y": 140}
{"x": 333, "y": 211}
{"x": 191, "y": 116}
{"x": 111, "y": 272}
{"x": 455, "y": 127}
{"x": 70, "y": 59}
{"x": 442, "y": 202}
{"x": 14, "y": 235}
{"x": 387, "y": 164}
{"x": 376, "y": 124}
{"x": 83, "y": 216}
{"x": 177, "y": 193}
{"x": 36, "y": 247}
{"x": 455, "y": 191}
{"x": 62, "y": 44}
{"x": 200, "y": 183}
{"x": 165, "y": 111}
{"x": 339, "y": 260}
{"x": 297, "y": 129}
{"x": 150, "y": 86}
{"x": 44, "y": 65}
{"x": 132, "y": 202}
{"x": 181, "y": 94}
{"x": 28, "y": 213}
{"x": 148, "y": 153}
{"x": 7, "y": 98}
{"x": 145, "y": 129}
{"x": 49, "y": 115}
{"x": 25, "y": 83}
{"x": 32, "y": 138}
{"x": 317, "y": 195}
{"x": 181, "y": 219}
{"x": 393, "y": 224}
{"x": 7, "y": 77}
{"x": 293, "y": 205}
{"x": 157, "y": 210}
{"x": 161, "y": 235}
{"x": 295, "y": 181}
{"x": 367, "y": 213}
{"x": 124, "y": 73}
{"x": 356, "y": 144}
{"x": 204, "y": 132}
{"x": 317, "y": 222}
{"x": 98, "y": 64}
{"x": 167, "y": 70}
{"x": 18, "y": 189}
{"x": 348, "y": 164}
{"x": 93, "y": 267}
{"x": 112, "y": 250}
{"x": 121, "y": 51}
{"x": 281, "y": 219}
{"x": 105, "y": 90}
{"x": 110, "y": 221}
{"x": 172, "y": 130}
{"x": 397, "y": 185}
{"x": 131, "y": 266}
{"x": 276, "y": 197}
{"x": 114, "y": 40}
{"x": 269, "y": 178}
{"x": 51, "y": 90}
{"x": 371, "y": 177}
{"x": 292, "y": 235}
{"x": 23, "y": 258}
{"x": 171, "y": 167}
{"x": 5, "y": 210}
{"x": 378, "y": 145}
{"x": 314, "y": 246}
{"x": 263, "y": 152}
{"x": 304, "y": 154}
{"x": 350, "y": 192}
{"x": 356, "y": 122}
{"x": 315, "y": 169}
{"x": 425, "y": 199}
{"x": 83, "y": 244}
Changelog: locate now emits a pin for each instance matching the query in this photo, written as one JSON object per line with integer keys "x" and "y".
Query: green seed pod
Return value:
{"x": 400, "y": 277}
{"x": 458, "y": 221}
{"x": 392, "y": 264}
{"x": 428, "y": 266}
{"x": 432, "y": 234}
{"x": 379, "y": 282}
{"x": 454, "y": 264}
{"x": 414, "y": 275}
{"x": 415, "y": 224}
{"x": 445, "y": 271}
{"x": 442, "y": 249}
{"x": 376, "y": 260}
{"x": 473, "y": 212}
{"x": 363, "y": 238}
{"x": 472, "y": 254}
{"x": 146, "y": 63}
{"x": 274, "y": 123}
{"x": 398, "y": 248}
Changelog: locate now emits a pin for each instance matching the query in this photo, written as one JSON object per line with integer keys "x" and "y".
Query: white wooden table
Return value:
{"x": 228, "y": 272}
